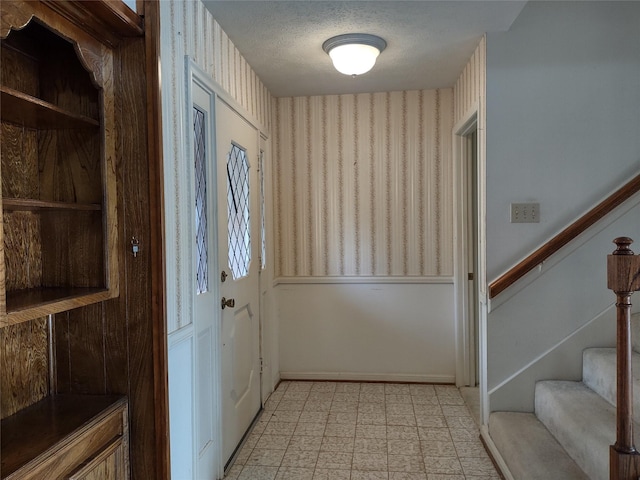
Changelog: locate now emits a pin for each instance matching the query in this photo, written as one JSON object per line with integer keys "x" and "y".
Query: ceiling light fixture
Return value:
{"x": 354, "y": 53}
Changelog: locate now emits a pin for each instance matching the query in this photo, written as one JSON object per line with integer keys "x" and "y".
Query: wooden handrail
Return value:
{"x": 564, "y": 237}
{"x": 623, "y": 277}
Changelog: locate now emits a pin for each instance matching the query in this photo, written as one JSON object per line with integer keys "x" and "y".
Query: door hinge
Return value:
{"x": 261, "y": 365}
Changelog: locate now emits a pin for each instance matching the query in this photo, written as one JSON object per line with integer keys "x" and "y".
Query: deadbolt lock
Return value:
{"x": 230, "y": 302}
{"x": 223, "y": 276}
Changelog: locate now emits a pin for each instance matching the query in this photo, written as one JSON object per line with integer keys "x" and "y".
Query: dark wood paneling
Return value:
{"x": 18, "y": 71}
{"x": 133, "y": 210}
{"x": 86, "y": 350}
{"x": 151, "y": 13}
{"x": 23, "y": 250}
{"x": 19, "y": 147}
{"x": 25, "y": 371}
{"x": 69, "y": 166}
{"x": 72, "y": 249}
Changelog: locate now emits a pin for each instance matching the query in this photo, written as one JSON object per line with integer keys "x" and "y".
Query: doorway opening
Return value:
{"x": 469, "y": 269}
{"x": 473, "y": 215}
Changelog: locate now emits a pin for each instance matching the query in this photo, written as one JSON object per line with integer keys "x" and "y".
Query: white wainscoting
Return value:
{"x": 367, "y": 331}
{"x": 181, "y": 402}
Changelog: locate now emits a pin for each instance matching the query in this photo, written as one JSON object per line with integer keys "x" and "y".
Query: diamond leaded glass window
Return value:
{"x": 238, "y": 203}
{"x": 202, "y": 262}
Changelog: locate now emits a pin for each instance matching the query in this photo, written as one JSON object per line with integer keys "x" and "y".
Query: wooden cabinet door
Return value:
{"x": 109, "y": 464}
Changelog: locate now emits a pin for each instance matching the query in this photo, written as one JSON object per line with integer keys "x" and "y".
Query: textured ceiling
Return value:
{"x": 428, "y": 42}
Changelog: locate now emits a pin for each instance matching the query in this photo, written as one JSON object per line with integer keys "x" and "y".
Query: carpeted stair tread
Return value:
{"x": 529, "y": 450}
{"x": 599, "y": 374}
{"x": 581, "y": 421}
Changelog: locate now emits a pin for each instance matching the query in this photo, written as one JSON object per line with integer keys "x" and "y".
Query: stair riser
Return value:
{"x": 599, "y": 374}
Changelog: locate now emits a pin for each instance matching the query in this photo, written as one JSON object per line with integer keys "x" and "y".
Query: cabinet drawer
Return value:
{"x": 108, "y": 464}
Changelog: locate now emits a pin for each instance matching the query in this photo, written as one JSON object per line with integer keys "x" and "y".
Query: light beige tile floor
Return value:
{"x": 363, "y": 431}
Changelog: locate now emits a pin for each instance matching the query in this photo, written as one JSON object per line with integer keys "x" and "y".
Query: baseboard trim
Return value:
{"x": 369, "y": 377}
{"x": 495, "y": 454}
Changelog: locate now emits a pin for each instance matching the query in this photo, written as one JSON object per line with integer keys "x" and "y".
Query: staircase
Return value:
{"x": 574, "y": 423}
{"x": 580, "y": 430}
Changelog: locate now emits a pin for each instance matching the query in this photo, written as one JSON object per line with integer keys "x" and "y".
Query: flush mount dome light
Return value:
{"x": 354, "y": 53}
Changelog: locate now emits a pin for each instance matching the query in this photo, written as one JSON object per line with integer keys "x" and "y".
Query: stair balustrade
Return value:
{"x": 623, "y": 277}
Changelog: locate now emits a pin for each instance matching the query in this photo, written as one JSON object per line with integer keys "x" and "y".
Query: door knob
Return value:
{"x": 230, "y": 302}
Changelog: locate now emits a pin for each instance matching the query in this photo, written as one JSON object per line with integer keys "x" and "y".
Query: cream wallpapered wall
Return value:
{"x": 469, "y": 89}
{"x": 188, "y": 29}
{"x": 363, "y": 184}
{"x": 192, "y": 30}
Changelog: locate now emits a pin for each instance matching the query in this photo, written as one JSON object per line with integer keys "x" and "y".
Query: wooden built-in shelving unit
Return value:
{"x": 57, "y": 178}
{"x": 58, "y": 233}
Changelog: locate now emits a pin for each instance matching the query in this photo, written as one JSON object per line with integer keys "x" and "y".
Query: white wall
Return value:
{"x": 563, "y": 117}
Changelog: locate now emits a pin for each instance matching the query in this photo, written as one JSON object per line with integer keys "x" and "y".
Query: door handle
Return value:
{"x": 224, "y": 303}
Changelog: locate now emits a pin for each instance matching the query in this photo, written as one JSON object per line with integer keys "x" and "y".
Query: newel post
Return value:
{"x": 623, "y": 277}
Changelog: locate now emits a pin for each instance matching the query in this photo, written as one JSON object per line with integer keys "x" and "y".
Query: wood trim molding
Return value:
{"x": 363, "y": 280}
{"x": 156, "y": 198}
{"x": 108, "y": 21}
{"x": 564, "y": 237}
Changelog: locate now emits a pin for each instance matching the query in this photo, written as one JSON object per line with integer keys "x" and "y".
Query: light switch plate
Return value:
{"x": 525, "y": 213}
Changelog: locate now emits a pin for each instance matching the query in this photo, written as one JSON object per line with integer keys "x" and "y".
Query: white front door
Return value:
{"x": 239, "y": 260}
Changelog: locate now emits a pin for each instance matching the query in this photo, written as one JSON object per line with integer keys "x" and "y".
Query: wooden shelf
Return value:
{"x": 24, "y": 305}
{"x": 23, "y": 109}
{"x": 37, "y": 431}
{"x": 28, "y": 204}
